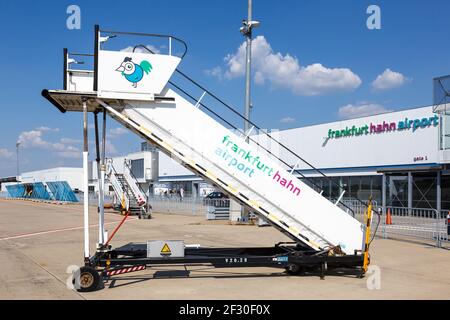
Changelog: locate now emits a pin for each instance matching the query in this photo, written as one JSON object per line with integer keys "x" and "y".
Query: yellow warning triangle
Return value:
{"x": 165, "y": 249}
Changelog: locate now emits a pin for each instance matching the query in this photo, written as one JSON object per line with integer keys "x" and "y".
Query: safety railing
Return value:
{"x": 133, "y": 183}
{"x": 398, "y": 222}
{"x": 102, "y": 36}
{"x": 76, "y": 78}
{"x": 111, "y": 175}
{"x": 445, "y": 237}
{"x": 186, "y": 205}
{"x": 358, "y": 208}
{"x": 420, "y": 223}
{"x": 93, "y": 198}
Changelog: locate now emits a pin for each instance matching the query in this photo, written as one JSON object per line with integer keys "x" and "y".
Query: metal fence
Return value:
{"x": 417, "y": 223}
{"x": 356, "y": 208}
{"x": 420, "y": 223}
{"x": 92, "y": 198}
{"x": 187, "y": 205}
{"x": 399, "y": 222}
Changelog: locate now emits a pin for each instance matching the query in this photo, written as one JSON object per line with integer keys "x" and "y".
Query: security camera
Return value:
{"x": 254, "y": 24}
{"x": 70, "y": 61}
{"x": 104, "y": 39}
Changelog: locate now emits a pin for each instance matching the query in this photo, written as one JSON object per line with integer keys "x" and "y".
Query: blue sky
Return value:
{"x": 316, "y": 62}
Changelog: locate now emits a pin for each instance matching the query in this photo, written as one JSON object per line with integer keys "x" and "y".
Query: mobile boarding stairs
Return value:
{"x": 130, "y": 197}
{"x": 139, "y": 91}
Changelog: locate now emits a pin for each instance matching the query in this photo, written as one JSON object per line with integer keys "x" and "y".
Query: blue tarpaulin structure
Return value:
{"x": 35, "y": 190}
{"x": 62, "y": 191}
{"x": 59, "y": 190}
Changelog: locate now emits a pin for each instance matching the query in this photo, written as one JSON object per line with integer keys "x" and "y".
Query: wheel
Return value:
{"x": 293, "y": 269}
{"x": 88, "y": 281}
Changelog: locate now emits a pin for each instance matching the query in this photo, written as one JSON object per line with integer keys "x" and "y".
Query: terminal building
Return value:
{"x": 399, "y": 158}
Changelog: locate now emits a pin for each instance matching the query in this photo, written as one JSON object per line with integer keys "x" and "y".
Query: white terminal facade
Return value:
{"x": 398, "y": 158}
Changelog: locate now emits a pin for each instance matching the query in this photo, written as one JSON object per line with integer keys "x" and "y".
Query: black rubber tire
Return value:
{"x": 293, "y": 269}
{"x": 89, "y": 279}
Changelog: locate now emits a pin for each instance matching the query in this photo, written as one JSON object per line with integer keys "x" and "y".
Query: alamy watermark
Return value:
{"x": 374, "y": 20}
{"x": 373, "y": 281}
{"x": 73, "y": 21}
{"x": 73, "y": 280}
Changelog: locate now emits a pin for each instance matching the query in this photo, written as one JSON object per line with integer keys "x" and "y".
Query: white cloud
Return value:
{"x": 361, "y": 110}
{"x": 5, "y": 154}
{"x": 47, "y": 129}
{"x": 110, "y": 149}
{"x": 117, "y": 132}
{"x": 142, "y": 50}
{"x": 33, "y": 139}
{"x": 70, "y": 152}
{"x": 285, "y": 71}
{"x": 287, "y": 120}
{"x": 215, "y": 72}
{"x": 70, "y": 141}
{"x": 389, "y": 80}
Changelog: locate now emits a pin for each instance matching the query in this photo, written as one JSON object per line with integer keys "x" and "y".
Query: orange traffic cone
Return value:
{"x": 388, "y": 217}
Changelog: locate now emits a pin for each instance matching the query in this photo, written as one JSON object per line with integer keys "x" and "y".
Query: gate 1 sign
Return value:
{"x": 134, "y": 76}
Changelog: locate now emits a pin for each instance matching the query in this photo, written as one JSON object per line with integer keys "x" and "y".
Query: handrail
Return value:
{"x": 109, "y": 163}
{"x": 134, "y": 177}
{"x": 156, "y": 35}
{"x": 80, "y": 54}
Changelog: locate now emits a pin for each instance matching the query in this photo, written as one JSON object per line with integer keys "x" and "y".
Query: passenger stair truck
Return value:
{"x": 130, "y": 197}
{"x": 137, "y": 89}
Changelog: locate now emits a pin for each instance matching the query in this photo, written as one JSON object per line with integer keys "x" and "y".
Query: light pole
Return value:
{"x": 246, "y": 30}
{"x": 17, "y": 157}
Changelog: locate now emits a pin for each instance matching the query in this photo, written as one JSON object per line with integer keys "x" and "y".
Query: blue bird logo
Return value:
{"x": 134, "y": 72}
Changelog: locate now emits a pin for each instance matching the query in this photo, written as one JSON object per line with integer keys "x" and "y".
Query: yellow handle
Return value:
{"x": 367, "y": 240}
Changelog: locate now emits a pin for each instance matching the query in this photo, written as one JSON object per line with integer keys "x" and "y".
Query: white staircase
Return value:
{"x": 206, "y": 147}
{"x": 127, "y": 190}
{"x": 157, "y": 109}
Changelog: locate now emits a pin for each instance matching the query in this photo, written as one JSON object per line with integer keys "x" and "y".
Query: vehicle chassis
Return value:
{"x": 293, "y": 257}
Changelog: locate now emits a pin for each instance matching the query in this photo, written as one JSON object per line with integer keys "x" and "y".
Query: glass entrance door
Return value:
{"x": 397, "y": 188}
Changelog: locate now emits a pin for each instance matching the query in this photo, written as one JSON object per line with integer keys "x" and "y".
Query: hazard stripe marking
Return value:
{"x": 284, "y": 224}
{"x": 243, "y": 196}
{"x": 200, "y": 167}
{"x": 222, "y": 182}
{"x": 155, "y": 136}
{"x": 263, "y": 210}
{"x": 181, "y": 154}
{"x": 125, "y": 270}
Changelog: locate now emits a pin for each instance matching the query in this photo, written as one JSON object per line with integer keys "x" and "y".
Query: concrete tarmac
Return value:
{"x": 39, "y": 243}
